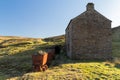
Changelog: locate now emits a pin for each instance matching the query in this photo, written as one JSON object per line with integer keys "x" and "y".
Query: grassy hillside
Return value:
{"x": 16, "y": 63}
{"x": 56, "y": 39}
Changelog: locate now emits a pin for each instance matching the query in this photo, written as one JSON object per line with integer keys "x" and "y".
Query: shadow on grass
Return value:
{"x": 15, "y": 65}
{"x": 63, "y": 59}
{"x": 117, "y": 65}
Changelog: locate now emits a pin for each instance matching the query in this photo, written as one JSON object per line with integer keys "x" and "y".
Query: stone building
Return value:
{"x": 88, "y": 36}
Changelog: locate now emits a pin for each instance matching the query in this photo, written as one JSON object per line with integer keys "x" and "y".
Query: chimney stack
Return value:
{"x": 90, "y": 6}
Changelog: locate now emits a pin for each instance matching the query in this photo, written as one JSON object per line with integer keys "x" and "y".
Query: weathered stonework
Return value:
{"x": 88, "y": 36}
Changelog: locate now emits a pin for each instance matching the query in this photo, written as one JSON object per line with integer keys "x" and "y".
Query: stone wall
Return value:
{"x": 116, "y": 34}
{"x": 89, "y": 36}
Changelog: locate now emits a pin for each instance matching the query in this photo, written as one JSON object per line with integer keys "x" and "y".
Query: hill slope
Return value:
{"x": 16, "y": 62}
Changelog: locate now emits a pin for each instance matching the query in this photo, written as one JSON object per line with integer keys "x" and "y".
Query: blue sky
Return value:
{"x": 45, "y": 18}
